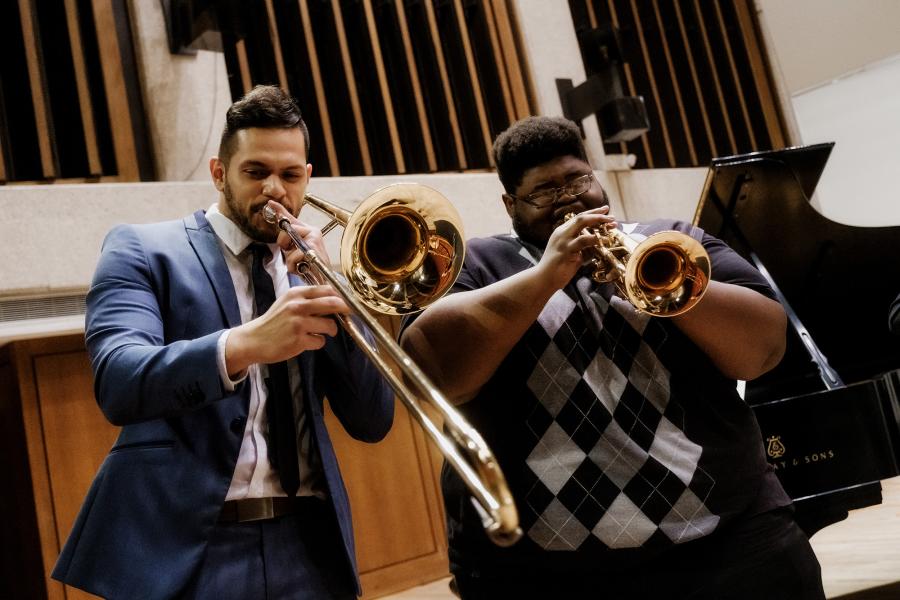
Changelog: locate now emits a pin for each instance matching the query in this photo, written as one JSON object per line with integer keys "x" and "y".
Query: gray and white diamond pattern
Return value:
{"x": 556, "y": 455}
{"x": 555, "y": 458}
{"x": 553, "y": 380}
{"x": 558, "y": 529}
{"x": 618, "y": 456}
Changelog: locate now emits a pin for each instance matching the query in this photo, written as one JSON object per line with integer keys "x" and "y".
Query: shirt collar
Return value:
{"x": 231, "y": 235}
{"x": 534, "y": 253}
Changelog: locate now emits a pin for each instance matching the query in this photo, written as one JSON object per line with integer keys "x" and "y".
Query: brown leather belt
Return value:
{"x": 258, "y": 509}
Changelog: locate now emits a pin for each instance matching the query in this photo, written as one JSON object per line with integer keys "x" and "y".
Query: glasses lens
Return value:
{"x": 579, "y": 185}
{"x": 542, "y": 198}
{"x": 545, "y": 198}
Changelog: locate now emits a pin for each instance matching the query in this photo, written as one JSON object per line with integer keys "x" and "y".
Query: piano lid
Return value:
{"x": 838, "y": 279}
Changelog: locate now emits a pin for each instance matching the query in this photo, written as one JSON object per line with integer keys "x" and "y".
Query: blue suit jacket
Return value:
{"x": 160, "y": 298}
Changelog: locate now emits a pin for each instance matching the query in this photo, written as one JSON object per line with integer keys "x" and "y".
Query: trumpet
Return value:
{"x": 402, "y": 249}
{"x": 664, "y": 275}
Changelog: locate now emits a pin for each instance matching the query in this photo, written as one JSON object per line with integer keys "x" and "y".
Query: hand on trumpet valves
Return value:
{"x": 312, "y": 236}
{"x": 563, "y": 255}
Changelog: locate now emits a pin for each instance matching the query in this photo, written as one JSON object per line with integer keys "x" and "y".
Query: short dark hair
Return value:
{"x": 534, "y": 141}
{"x": 265, "y": 106}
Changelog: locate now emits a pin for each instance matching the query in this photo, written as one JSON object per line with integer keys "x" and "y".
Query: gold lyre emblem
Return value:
{"x": 775, "y": 449}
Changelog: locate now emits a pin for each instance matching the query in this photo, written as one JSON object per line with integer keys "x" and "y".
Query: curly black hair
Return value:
{"x": 265, "y": 106}
{"x": 534, "y": 141}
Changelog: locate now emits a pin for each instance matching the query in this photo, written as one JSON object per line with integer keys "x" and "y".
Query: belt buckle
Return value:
{"x": 255, "y": 509}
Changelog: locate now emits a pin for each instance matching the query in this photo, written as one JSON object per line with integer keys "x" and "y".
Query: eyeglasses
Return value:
{"x": 546, "y": 197}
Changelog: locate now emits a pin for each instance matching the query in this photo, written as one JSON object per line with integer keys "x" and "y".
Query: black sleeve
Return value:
{"x": 727, "y": 265}
{"x": 894, "y": 316}
{"x": 730, "y": 267}
{"x": 488, "y": 260}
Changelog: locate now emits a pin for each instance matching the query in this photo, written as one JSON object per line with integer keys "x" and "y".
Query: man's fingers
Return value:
{"x": 316, "y": 300}
{"x": 313, "y": 326}
{"x": 314, "y": 341}
{"x": 311, "y": 292}
{"x": 592, "y": 219}
{"x": 583, "y": 241}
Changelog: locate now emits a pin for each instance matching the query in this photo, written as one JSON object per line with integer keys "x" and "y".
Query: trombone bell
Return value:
{"x": 402, "y": 247}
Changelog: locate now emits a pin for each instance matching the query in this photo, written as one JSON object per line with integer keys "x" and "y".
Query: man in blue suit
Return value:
{"x": 210, "y": 490}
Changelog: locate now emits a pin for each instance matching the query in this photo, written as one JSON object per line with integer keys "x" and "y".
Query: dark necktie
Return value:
{"x": 279, "y": 403}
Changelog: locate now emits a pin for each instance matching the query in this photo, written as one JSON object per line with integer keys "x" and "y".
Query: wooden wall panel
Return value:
{"x": 71, "y": 109}
{"x": 406, "y": 86}
{"x": 701, "y": 69}
{"x": 21, "y": 569}
{"x": 117, "y": 101}
{"x": 77, "y": 437}
{"x": 52, "y": 424}
{"x": 95, "y": 168}
{"x": 397, "y": 513}
{"x": 34, "y": 490}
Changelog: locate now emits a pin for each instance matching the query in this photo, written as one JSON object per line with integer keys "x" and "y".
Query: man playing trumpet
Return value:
{"x": 637, "y": 469}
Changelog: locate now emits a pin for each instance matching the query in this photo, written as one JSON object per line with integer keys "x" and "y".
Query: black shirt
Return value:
{"x": 617, "y": 435}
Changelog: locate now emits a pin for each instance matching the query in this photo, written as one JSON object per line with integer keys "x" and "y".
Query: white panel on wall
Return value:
{"x": 861, "y": 114}
{"x": 818, "y": 40}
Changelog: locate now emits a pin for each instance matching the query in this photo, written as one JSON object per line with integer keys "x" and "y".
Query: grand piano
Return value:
{"x": 829, "y": 412}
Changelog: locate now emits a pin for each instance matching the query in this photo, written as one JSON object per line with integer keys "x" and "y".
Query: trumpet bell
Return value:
{"x": 667, "y": 274}
{"x": 402, "y": 248}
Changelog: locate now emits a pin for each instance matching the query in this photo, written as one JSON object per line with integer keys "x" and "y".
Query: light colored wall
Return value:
{"x": 57, "y": 253}
{"x": 185, "y": 98}
{"x": 820, "y": 40}
{"x": 658, "y": 193}
{"x": 860, "y": 114}
{"x": 840, "y": 63}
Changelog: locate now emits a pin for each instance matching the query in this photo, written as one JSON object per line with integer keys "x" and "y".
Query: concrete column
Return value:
{"x": 185, "y": 97}
{"x": 551, "y": 52}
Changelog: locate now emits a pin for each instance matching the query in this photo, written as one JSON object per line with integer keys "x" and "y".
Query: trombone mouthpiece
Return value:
{"x": 269, "y": 214}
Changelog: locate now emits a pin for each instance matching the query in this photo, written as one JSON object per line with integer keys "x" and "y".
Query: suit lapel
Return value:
{"x": 206, "y": 245}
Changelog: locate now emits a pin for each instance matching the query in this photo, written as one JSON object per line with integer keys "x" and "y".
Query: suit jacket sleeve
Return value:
{"x": 138, "y": 374}
{"x": 360, "y": 397}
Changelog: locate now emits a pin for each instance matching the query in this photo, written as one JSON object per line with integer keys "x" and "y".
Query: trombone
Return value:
{"x": 402, "y": 249}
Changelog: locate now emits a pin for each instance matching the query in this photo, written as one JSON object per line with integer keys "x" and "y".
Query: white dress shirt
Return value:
{"x": 253, "y": 475}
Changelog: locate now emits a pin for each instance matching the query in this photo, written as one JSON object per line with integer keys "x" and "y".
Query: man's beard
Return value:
{"x": 242, "y": 219}
{"x": 527, "y": 233}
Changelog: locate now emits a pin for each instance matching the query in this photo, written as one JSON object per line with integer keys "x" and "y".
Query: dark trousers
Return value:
{"x": 766, "y": 557}
{"x": 297, "y": 556}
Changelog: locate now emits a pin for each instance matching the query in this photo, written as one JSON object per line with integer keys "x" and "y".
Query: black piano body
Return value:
{"x": 829, "y": 412}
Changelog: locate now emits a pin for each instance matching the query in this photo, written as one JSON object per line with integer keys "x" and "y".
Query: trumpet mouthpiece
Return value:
{"x": 269, "y": 214}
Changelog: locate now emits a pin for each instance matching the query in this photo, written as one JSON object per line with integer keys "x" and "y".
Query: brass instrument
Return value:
{"x": 664, "y": 275}
{"x": 402, "y": 249}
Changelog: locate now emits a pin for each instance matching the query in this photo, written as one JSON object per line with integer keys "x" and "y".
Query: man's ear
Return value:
{"x": 217, "y": 172}
{"x": 509, "y": 202}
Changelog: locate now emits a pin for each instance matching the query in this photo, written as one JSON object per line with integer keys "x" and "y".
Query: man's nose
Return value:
{"x": 272, "y": 187}
{"x": 564, "y": 196}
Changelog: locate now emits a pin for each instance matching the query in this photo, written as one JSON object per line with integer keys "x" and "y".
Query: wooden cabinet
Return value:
{"x": 54, "y": 438}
